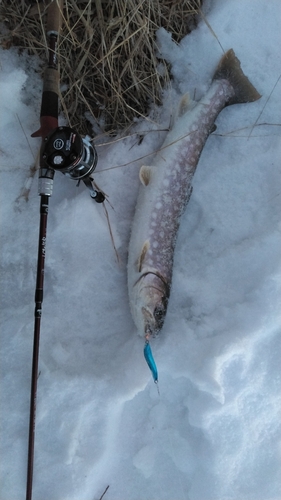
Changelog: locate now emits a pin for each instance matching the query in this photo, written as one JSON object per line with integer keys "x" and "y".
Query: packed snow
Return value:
{"x": 213, "y": 432}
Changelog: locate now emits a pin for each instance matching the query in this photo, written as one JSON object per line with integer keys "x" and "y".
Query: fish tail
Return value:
{"x": 229, "y": 69}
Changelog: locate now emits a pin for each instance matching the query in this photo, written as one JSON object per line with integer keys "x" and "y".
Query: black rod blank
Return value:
{"x": 37, "y": 323}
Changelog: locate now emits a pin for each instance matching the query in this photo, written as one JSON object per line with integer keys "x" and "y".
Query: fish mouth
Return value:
{"x": 155, "y": 293}
{"x": 152, "y": 325}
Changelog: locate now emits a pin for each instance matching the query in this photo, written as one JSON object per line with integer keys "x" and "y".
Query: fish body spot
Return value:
{"x": 168, "y": 199}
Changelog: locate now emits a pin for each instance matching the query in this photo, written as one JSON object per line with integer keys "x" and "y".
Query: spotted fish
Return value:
{"x": 165, "y": 190}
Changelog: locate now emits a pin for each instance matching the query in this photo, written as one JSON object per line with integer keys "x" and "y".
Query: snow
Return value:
{"x": 213, "y": 433}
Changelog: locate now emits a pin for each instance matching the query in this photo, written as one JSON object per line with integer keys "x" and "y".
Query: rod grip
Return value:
{"x": 50, "y": 95}
{"x": 51, "y": 80}
{"x": 54, "y": 16}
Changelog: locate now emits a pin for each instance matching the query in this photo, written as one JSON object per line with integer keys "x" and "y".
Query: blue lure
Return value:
{"x": 150, "y": 361}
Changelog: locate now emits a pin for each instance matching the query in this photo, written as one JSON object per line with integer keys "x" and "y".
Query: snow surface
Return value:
{"x": 214, "y": 431}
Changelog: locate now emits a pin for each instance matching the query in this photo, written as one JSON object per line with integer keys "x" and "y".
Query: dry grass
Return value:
{"x": 108, "y": 53}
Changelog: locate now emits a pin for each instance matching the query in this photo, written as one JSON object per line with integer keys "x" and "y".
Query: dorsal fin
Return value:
{"x": 144, "y": 249}
{"x": 184, "y": 104}
{"x": 145, "y": 174}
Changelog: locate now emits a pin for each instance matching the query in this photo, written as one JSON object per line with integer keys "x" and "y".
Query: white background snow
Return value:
{"x": 213, "y": 433}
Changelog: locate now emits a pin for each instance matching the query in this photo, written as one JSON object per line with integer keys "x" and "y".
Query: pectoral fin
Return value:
{"x": 145, "y": 174}
{"x": 142, "y": 255}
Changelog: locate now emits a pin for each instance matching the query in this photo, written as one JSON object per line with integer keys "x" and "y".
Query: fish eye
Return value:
{"x": 158, "y": 313}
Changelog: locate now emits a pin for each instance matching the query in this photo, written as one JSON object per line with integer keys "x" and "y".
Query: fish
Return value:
{"x": 165, "y": 189}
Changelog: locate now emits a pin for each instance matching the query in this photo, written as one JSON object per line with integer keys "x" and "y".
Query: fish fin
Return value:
{"x": 229, "y": 69}
{"x": 144, "y": 249}
{"x": 145, "y": 174}
{"x": 184, "y": 105}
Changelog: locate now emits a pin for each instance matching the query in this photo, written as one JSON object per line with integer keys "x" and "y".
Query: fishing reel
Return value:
{"x": 65, "y": 151}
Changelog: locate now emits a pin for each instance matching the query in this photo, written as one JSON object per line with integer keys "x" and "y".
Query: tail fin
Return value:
{"x": 229, "y": 69}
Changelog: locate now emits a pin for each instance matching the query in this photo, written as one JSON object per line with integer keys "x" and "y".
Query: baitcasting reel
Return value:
{"x": 66, "y": 151}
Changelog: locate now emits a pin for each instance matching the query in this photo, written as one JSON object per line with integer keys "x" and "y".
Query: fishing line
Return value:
{"x": 111, "y": 234}
{"x": 141, "y": 132}
{"x": 211, "y": 29}
{"x": 26, "y": 138}
{"x": 232, "y": 132}
{"x": 262, "y": 110}
{"x": 149, "y": 154}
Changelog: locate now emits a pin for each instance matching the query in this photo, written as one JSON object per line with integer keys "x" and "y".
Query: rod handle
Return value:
{"x": 54, "y": 17}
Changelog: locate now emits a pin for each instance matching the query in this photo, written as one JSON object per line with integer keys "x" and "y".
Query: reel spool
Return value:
{"x": 65, "y": 151}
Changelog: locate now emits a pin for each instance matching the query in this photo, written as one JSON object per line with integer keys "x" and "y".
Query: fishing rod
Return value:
{"x": 63, "y": 150}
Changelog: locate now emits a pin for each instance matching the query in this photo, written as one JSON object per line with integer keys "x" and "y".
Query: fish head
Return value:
{"x": 151, "y": 303}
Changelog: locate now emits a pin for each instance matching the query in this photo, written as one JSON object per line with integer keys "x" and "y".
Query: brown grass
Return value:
{"x": 108, "y": 53}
